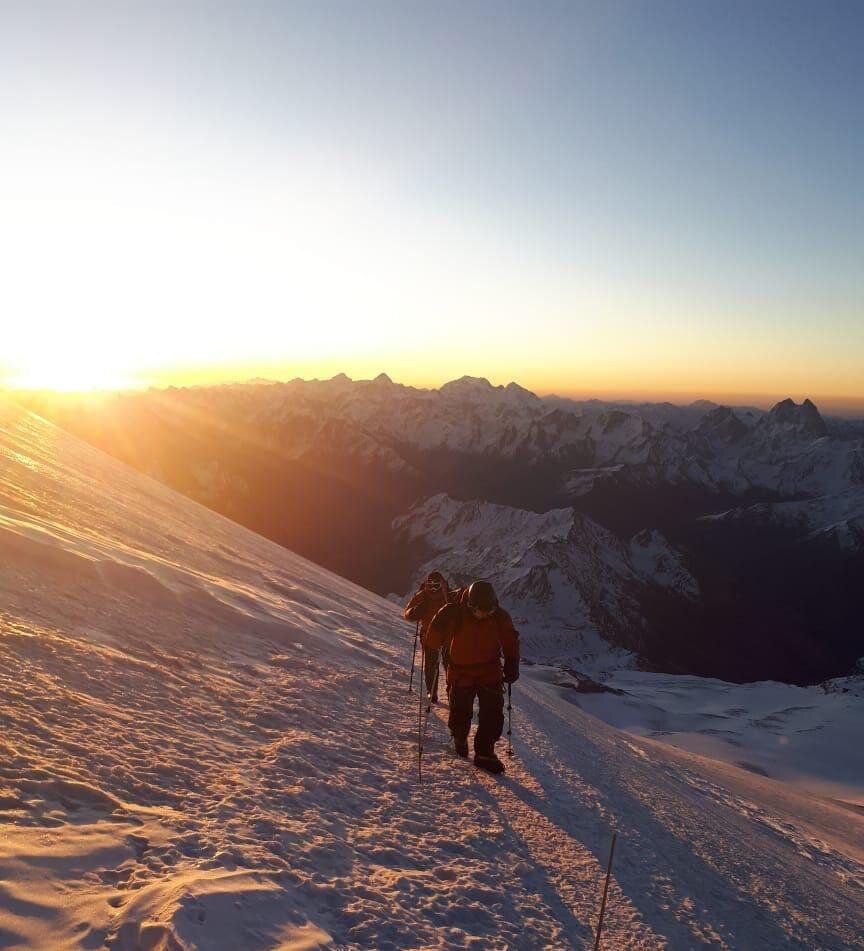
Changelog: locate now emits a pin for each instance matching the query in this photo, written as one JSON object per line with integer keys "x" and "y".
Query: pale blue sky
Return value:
{"x": 631, "y": 196}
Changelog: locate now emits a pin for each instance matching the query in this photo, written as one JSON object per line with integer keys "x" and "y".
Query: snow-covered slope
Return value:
{"x": 806, "y": 736}
{"x": 567, "y": 581}
{"x": 172, "y": 773}
{"x": 207, "y": 743}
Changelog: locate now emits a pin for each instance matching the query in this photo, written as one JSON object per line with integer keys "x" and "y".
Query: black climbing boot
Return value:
{"x": 489, "y": 762}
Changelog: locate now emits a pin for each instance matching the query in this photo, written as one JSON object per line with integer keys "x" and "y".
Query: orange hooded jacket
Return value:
{"x": 475, "y": 646}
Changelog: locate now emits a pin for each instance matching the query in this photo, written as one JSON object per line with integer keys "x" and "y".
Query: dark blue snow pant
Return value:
{"x": 490, "y": 717}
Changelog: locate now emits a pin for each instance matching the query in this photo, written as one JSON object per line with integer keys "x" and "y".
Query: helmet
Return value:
{"x": 481, "y": 597}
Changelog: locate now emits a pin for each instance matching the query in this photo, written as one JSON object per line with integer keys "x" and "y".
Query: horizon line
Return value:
{"x": 842, "y": 405}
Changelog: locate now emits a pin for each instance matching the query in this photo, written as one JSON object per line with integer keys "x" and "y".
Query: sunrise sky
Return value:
{"x": 647, "y": 198}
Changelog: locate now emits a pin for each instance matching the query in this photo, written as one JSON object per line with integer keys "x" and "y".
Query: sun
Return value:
{"x": 72, "y": 374}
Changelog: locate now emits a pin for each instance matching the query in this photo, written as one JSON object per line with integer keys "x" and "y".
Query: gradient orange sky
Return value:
{"x": 606, "y": 367}
{"x": 644, "y": 200}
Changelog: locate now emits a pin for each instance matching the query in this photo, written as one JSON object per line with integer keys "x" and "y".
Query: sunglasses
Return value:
{"x": 433, "y": 585}
{"x": 482, "y": 615}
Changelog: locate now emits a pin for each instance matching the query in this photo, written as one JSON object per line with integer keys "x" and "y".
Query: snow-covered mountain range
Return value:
{"x": 751, "y": 500}
{"x": 788, "y": 452}
{"x": 207, "y": 745}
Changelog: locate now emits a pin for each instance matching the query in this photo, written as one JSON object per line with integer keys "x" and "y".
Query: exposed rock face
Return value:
{"x": 721, "y": 424}
{"x": 804, "y": 420}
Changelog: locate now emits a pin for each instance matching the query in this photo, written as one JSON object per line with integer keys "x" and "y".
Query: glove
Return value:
{"x": 511, "y": 669}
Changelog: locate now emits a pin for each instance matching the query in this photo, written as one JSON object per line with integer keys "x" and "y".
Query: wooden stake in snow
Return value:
{"x": 605, "y": 892}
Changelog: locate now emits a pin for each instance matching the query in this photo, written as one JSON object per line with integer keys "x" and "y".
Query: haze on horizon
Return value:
{"x": 636, "y": 199}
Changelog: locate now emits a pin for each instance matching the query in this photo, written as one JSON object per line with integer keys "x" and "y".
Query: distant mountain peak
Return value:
{"x": 514, "y": 389}
{"x": 722, "y": 421}
{"x": 382, "y": 380}
{"x": 468, "y": 382}
{"x": 804, "y": 418}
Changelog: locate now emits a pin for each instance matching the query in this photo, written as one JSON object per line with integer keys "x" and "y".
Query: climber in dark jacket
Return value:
{"x": 425, "y": 603}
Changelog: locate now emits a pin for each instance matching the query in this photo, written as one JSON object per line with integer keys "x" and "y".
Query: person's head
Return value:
{"x": 482, "y": 601}
{"x": 435, "y": 583}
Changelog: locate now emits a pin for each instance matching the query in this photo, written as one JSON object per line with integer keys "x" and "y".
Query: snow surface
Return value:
{"x": 807, "y": 736}
{"x": 207, "y": 743}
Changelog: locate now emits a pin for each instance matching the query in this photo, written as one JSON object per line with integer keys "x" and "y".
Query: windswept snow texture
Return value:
{"x": 207, "y": 744}
{"x": 809, "y": 737}
{"x": 568, "y": 581}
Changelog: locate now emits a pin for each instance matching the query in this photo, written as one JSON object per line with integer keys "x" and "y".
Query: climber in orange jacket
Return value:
{"x": 477, "y": 632}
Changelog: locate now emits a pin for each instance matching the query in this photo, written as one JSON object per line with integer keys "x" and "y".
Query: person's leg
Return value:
{"x": 445, "y": 654}
{"x": 430, "y": 663}
{"x": 491, "y": 719}
{"x": 461, "y": 714}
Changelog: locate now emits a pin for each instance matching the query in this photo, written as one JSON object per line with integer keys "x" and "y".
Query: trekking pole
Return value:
{"x": 605, "y": 892}
{"x": 420, "y": 737}
{"x": 509, "y": 719}
{"x": 423, "y": 725}
{"x": 414, "y": 657}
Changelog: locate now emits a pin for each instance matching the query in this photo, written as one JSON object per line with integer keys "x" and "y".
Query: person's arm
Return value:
{"x": 508, "y": 637}
{"x": 414, "y": 608}
{"x": 441, "y": 629}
